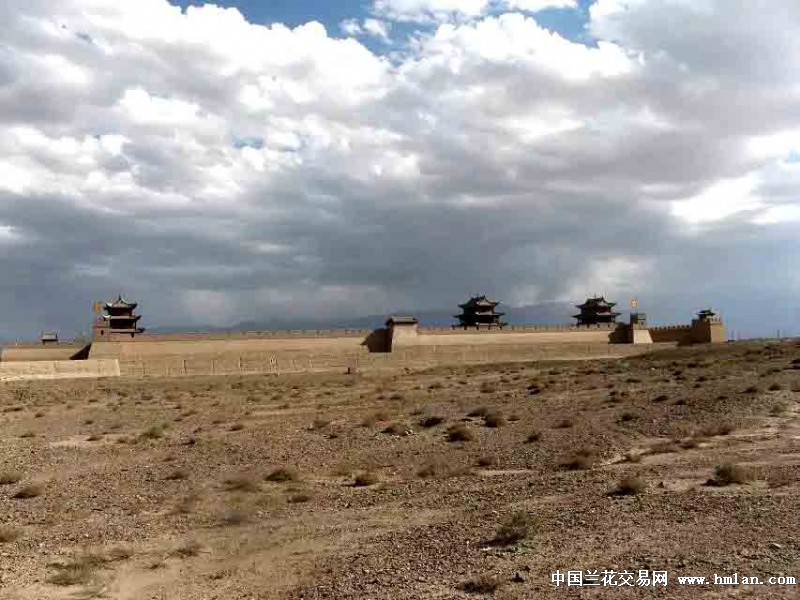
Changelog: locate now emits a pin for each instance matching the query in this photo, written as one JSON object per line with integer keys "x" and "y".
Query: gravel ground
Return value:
{"x": 349, "y": 486}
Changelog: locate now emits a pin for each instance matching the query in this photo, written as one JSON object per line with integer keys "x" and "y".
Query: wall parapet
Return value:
{"x": 242, "y": 335}
{"x": 519, "y": 329}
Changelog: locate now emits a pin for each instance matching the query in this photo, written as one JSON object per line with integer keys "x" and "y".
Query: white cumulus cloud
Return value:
{"x": 208, "y": 165}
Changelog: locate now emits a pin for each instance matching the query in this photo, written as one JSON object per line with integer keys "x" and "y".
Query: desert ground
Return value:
{"x": 456, "y": 482}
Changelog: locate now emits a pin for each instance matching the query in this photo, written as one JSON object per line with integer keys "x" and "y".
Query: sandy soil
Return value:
{"x": 151, "y": 489}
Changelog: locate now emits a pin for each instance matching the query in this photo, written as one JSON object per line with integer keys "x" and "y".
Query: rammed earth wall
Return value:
{"x": 417, "y": 357}
{"x": 58, "y": 369}
{"x": 25, "y": 353}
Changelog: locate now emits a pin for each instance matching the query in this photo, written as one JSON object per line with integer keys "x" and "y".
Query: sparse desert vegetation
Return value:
{"x": 452, "y": 482}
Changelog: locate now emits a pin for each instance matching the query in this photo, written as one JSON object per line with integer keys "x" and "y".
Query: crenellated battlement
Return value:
{"x": 247, "y": 335}
{"x": 518, "y": 329}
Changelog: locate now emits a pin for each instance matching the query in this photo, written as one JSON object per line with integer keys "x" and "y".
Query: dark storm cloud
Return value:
{"x": 490, "y": 156}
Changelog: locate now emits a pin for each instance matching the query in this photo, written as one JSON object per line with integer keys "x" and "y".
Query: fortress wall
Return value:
{"x": 516, "y": 329}
{"x": 699, "y": 332}
{"x": 709, "y": 332}
{"x": 219, "y": 347}
{"x": 59, "y": 369}
{"x": 406, "y": 357}
{"x": 243, "y": 335}
{"x": 495, "y": 336}
{"x": 362, "y": 343}
{"x": 39, "y": 352}
{"x": 678, "y": 334}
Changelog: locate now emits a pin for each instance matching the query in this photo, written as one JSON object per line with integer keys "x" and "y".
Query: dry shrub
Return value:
{"x": 580, "y": 460}
{"x": 729, "y": 473}
{"x": 627, "y": 416}
{"x": 487, "y": 461}
{"x": 533, "y": 436}
{"x": 661, "y": 398}
{"x": 283, "y": 474}
{"x": 236, "y": 427}
{"x": 721, "y": 428}
{"x": 8, "y": 533}
{"x": 431, "y": 421}
{"x": 78, "y": 571}
{"x": 320, "y": 423}
{"x": 119, "y": 553}
{"x": 187, "y": 549}
{"x": 178, "y": 475}
{"x": 397, "y": 429}
{"x": 187, "y": 504}
{"x": 29, "y": 490}
{"x": 775, "y": 387}
{"x": 487, "y": 583}
{"x": 441, "y": 468}
{"x": 480, "y": 411}
{"x": 241, "y": 483}
{"x": 300, "y": 497}
{"x": 692, "y": 442}
{"x": 633, "y": 457}
{"x": 236, "y": 516}
{"x": 517, "y": 527}
{"x": 565, "y": 424}
{"x": 459, "y": 433}
{"x": 780, "y": 409}
{"x": 753, "y": 389}
{"x": 630, "y": 486}
{"x": 364, "y": 479}
{"x": 494, "y": 419}
{"x": 10, "y": 477}
{"x": 666, "y": 447}
{"x": 377, "y": 417}
{"x": 153, "y": 433}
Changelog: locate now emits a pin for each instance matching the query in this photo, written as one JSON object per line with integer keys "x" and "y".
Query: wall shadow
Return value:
{"x": 377, "y": 341}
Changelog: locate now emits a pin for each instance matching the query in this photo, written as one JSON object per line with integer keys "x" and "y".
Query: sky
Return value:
{"x": 291, "y": 159}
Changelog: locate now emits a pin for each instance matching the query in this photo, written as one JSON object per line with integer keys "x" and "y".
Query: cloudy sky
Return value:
{"x": 316, "y": 159}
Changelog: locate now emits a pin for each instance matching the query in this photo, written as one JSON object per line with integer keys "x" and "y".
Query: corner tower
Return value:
{"x": 119, "y": 321}
{"x": 595, "y": 311}
{"x": 479, "y": 312}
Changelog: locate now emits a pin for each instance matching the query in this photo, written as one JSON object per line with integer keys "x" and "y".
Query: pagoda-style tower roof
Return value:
{"x": 479, "y": 302}
{"x": 479, "y": 311}
{"x": 120, "y": 302}
{"x": 706, "y": 313}
{"x": 596, "y": 302}
{"x": 130, "y": 317}
{"x": 596, "y": 310}
{"x": 119, "y": 320}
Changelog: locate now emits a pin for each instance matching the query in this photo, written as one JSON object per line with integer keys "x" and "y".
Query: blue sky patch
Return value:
{"x": 570, "y": 23}
{"x": 249, "y": 142}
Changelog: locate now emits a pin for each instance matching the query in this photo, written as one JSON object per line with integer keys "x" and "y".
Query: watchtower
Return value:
{"x": 119, "y": 320}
